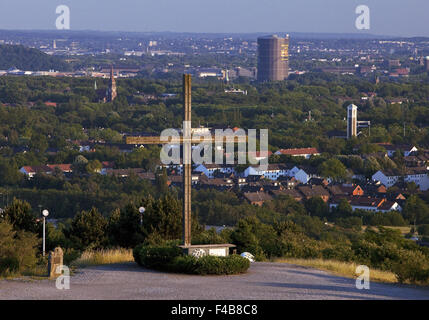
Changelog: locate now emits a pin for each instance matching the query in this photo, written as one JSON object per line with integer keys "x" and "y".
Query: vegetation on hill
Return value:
{"x": 30, "y": 59}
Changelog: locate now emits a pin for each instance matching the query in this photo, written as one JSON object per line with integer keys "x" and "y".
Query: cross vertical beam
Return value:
{"x": 187, "y": 158}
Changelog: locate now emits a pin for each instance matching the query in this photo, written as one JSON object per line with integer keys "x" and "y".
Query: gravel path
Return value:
{"x": 273, "y": 281}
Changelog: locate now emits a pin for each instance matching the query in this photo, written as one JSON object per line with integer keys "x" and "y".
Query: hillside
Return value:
{"x": 29, "y": 59}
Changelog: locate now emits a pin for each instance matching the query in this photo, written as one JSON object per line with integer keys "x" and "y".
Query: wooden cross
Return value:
{"x": 186, "y": 140}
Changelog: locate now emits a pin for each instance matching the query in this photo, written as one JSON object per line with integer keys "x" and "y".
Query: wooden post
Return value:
{"x": 187, "y": 158}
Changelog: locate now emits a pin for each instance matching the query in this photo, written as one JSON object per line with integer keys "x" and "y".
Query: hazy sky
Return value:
{"x": 388, "y": 17}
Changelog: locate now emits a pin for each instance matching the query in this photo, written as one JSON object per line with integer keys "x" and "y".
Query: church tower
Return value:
{"x": 112, "y": 93}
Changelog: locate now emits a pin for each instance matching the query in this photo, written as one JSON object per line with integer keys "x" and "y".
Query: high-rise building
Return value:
{"x": 427, "y": 63}
{"x": 273, "y": 58}
{"x": 111, "y": 92}
{"x": 352, "y": 122}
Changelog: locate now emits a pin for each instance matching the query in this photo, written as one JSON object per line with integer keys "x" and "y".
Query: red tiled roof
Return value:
{"x": 37, "y": 169}
{"x": 108, "y": 164}
{"x": 301, "y": 151}
{"x": 257, "y": 196}
{"x": 62, "y": 167}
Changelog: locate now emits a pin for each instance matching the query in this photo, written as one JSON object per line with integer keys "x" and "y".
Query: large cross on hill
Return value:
{"x": 186, "y": 140}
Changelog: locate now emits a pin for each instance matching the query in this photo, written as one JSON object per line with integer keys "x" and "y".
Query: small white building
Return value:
{"x": 272, "y": 171}
{"x": 367, "y": 204}
{"x": 391, "y": 149}
{"x": 210, "y": 169}
{"x": 417, "y": 175}
{"x": 304, "y": 175}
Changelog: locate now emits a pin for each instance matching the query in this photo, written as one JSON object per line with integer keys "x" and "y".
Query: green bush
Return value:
{"x": 423, "y": 229}
{"x": 70, "y": 255}
{"x": 184, "y": 264}
{"x": 412, "y": 267}
{"x": 9, "y": 265}
{"x": 17, "y": 249}
{"x": 171, "y": 259}
{"x": 157, "y": 257}
{"x": 136, "y": 254}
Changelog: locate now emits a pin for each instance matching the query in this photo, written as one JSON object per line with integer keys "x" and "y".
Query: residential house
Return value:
{"x": 210, "y": 169}
{"x": 271, "y": 171}
{"x": 257, "y": 198}
{"x": 218, "y": 183}
{"x": 307, "y": 153}
{"x": 64, "y": 168}
{"x": 417, "y": 175}
{"x": 405, "y": 149}
{"x": 318, "y": 182}
{"x": 123, "y": 173}
{"x": 367, "y": 204}
{"x": 295, "y": 194}
{"x": 314, "y": 192}
{"x": 31, "y": 171}
{"x": 346, "y": 190}
{"x": 288, "y": 183}
{"x": 304, "y": 174}
{"x": 417, "y": 160}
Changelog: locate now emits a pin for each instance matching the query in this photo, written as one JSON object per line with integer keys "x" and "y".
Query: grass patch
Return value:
{"x": 346, "y": 269}
{"x": 403, "y": 230}
{"x": 105, "y": 256}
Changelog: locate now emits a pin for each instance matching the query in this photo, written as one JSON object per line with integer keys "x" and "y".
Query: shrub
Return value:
{"x": 210, "y": 265}
{"x": 136, "y": 254}
{"x": 412, "y": 267}
{"x": 170, "y": 259}
{"x": 17, "y": 249}
{"x": 184, "y": 264}
{"x": 70, "y": 255}
{"x": 9, "y": 265}
{"x": 158, "y": 257}
{"x": 234, "y": 264}
{"x": 88, "y": 228}
{"x": 423, "y": 229}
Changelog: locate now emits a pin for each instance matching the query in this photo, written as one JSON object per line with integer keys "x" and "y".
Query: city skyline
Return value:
{"x": 392, "y": 18}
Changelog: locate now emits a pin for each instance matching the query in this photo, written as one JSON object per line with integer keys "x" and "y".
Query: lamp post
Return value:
{"x": 141, "y": 210}
{"x": 45, "y": 214}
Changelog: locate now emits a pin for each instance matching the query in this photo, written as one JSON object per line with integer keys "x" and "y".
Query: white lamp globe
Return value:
{"x": 45, "y": 213}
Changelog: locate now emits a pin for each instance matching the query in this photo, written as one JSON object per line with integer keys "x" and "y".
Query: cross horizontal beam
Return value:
{"x": 153, "y": 140}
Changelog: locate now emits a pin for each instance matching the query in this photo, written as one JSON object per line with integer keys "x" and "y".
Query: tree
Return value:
{"x": 161, "y": 182}
{"x": 88, "y": 228}
{"x": 317, "y": 207}
{"x": 17, "y": 249}
{"x": 124, "y": 227}
{"x": 38, "y": 143}
{"x": 9, "y": 173}
{"x": 416, "y": 210}
{"x": 344, "y": 208}
{"x": 80, "y": 163}
{"x": 94, "y": 166}
{"x": 334, "y": 169}
{"x": 245, "y": 239}
{"x": 19, "y": 214}
{"x": 164, "y": 216}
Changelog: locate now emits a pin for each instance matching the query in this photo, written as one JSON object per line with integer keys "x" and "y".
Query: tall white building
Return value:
{"x": 352, "y": 122}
